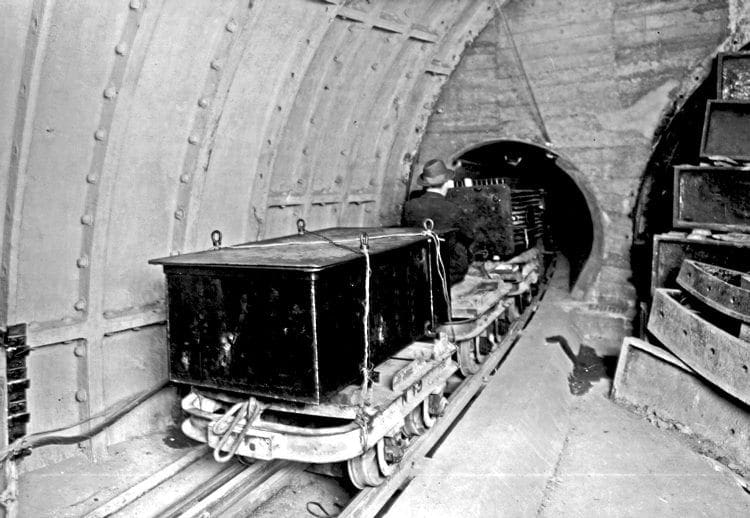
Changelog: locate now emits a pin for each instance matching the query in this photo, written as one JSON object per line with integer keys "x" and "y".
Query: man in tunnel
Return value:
{"x": 436, "y": 179}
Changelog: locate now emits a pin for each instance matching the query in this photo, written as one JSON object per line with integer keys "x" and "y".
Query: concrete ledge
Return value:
{"x": 656, "y": 384}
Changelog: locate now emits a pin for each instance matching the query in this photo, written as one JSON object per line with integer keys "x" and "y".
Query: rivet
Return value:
{"x": 81, "y": 396}
{"x": 408, "y": 75}
{"x": 203, "y": 102}
{"x": 174, "y": 252}
{"x": 110, "y": 92}
{"x": 80, "y": 305}
{"x": 278, "y": 108}
{"x": 231, "y": 26}
{"x": 92, "y": 178}
{"x": 193, "y": 139}
{"x": 121, "y": 49}
{"x": 304, "y": 151}
{"x": 184, "y": 178}
{"x": 83, "y": 261}
{"x": 336, "y": 59}
{"x": 87, "y": 219}
{"x": 179, "y": 214}
{"x": 342, "y": 152}
{"x": 100, "y": 134}
{"x": 216, "y": 64}
{"x": 80, "y": 350}
{"x": 135, "y": 4}
{"x": 374, "y": 66}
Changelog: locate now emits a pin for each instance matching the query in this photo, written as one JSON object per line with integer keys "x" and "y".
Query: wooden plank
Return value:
{"x": 252, "y": 480}
{"x": 716, "y": 355}
{"x": 717, "y": 287}
{"x": 147, "y": 484}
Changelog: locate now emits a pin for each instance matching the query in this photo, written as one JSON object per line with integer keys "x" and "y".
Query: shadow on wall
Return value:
{"x": 572, "y": 229}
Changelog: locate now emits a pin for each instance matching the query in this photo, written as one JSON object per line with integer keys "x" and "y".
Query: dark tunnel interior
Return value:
{"x": 569, "y": 224}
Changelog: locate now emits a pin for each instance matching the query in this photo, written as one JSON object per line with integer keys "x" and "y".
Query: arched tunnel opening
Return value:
{"x": 570, "y": 228}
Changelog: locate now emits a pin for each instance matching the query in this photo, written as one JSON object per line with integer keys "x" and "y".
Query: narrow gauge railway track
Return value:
{"x": 183, "y": 490}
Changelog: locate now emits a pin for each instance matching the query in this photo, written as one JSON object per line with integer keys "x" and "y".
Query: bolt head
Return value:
{"x": 184, "y": 178}
{"x": 110, "y": 92}
{"x": 83, "y": 262}
{"x": 121, "y": 49}
{"x": 79, "y": 350}
{"x": 216, "y": 64}
{"x": 80, "y": 305}
{"x": 135, "y": 4}
{"x": 231, "y": 26}
{"x": 193, "y": 139}
{"x": 81, "y": 396}
{"x": 179, "y": 214}
{"x": 203, "y": 102}
{"x": 100, "y": 134}
{"x": 87, "y": 219}
{"x": 92, "y": 178}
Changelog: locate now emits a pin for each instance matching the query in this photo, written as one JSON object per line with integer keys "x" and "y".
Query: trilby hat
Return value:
{"x": 435, "y": 173}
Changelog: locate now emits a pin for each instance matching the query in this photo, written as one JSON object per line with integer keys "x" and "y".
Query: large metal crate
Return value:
{"x": 283, "y": 318}
{"x": 715, "y": 198}
{"x": 506, "y": 220}
{"x": 726, "y": 130}
{"x": 733, "y": 76}
{"x": 672, "y": 248}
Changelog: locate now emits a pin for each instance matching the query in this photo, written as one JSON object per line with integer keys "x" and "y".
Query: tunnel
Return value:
{"x": 568, "y": 216}
{"x": 132, "y": 129}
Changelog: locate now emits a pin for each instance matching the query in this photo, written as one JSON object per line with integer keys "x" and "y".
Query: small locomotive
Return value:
{"x": 332, "y": 346}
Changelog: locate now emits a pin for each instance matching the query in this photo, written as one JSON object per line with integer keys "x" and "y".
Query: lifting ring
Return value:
{"x": 428, "y": 224}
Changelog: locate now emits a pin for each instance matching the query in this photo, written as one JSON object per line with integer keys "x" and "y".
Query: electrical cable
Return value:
{"x": 110, "y": 416}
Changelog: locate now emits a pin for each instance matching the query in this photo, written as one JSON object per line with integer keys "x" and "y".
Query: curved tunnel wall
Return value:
{"x": 130, "y": 129}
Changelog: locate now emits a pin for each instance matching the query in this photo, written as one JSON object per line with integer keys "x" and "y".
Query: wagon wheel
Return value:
{"x": 414, "y": 423}
{"x": 364, "y": 471}
{"x": 469, "y": 359}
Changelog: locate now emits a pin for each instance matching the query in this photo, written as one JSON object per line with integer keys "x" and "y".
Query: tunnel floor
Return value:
{"x": 526, "y": 446}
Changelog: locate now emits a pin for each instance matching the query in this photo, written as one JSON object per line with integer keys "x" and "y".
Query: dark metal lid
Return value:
{"x": 307, "y": 252}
